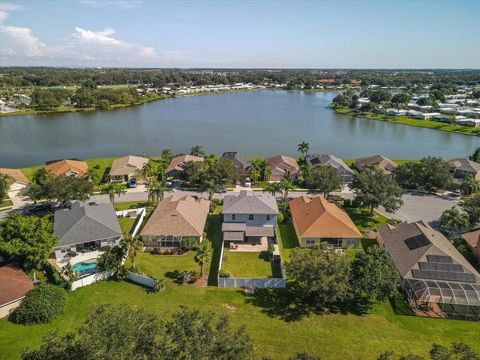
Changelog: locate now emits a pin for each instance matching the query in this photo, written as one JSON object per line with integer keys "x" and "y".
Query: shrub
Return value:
{"x": 159, "y": 285}
{"x": 189, "y": 243}
{"x": 280, "y": 217}
{"x": 41, "y": 305}
{"x": 218, "y": 202}
{"x": 224, "y": 274}
{"x": 187, "y": 277}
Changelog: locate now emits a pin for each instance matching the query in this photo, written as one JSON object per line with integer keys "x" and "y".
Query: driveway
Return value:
{"x": 428, "y": 208}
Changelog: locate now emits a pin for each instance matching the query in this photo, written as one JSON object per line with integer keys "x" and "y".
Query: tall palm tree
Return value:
{"x": 210, "y": 187}
{"x": 303, "y": 148}
{"x": 93, "y": 176}
{"x": 113, "y": 189}
{"x": 69, "y": 273}
{"x": 40, "y": 176}
{"x": 197, "y": 150}
{"x": 286, "y": 185}
{"x": 273, "y": 188}
{"x": 470, "y": 185}
{"x": 157, "y": 190}
{"x": 267, "y": 172}
{"x": 203, "y": 256}
{"x": 453, "y": 222}
{"x": 132, "y": 244}
{"x": 149, "y": 169}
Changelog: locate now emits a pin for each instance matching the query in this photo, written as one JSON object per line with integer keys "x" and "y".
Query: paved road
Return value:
{"x": 428, "y": 208}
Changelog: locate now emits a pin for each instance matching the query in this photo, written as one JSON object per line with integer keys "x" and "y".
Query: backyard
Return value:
{"x": 251, "y": 265}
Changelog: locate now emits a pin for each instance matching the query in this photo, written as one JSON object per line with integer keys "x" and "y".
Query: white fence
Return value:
{"x": 90, "y": 279}
{"x": 141, "y": 212}
{"x": 142, "y": 280}
{"x": 278, "y": 283}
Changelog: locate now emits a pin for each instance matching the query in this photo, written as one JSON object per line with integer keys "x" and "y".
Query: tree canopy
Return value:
{"x": 428, "y": 173}
{"x": 63, "y": 189}
{"x": 322, "y": 179}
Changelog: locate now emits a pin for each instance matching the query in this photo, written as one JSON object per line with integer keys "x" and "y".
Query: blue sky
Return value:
{"x": 280, "y": 34}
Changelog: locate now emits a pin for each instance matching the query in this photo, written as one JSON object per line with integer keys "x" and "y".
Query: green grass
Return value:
{"x": 103, "y": 167}
{"x": 126, "y": 224}
{"x": 253, "y": 265}
{"x": 412, "y": 122}
{"x": 364, "y": 221}
{"x": 287, "y": 240}
{"x": 6, "y": 203}
{"x": 125, "y": 205}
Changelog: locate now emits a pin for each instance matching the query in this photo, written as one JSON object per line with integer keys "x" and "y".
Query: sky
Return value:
{"x": 241, "y": 34}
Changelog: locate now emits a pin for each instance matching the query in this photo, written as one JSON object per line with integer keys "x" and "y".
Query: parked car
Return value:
{"x": 457, "y": 192}
{"x": 37, "y": 209}
{"x": 223, "y": 190}
{"x": 334, "y": 197}
{"x": 132, "y": 183}
{"x": 247, "y": 182}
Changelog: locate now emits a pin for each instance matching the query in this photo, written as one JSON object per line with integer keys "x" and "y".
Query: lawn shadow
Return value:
{"x": 399, "y": 307}
{"x": 214, "y": 234}
{"x": 106, "y": 175}
{"x": 287, "y": 304}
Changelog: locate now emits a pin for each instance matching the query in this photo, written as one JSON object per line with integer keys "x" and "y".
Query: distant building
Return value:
{"x": 473, "y": 240}
{"x": 386, "y": 165}
{"x": 67, "y": 167}
{"x": 14, "y": 285}
{"x": 282, "y": 166}
{"x": 462, "y": 168}
{"x": 127, "y": 167}
{"x": 16, "y": 180}
{"x": 242, "y": 164}
{"x": 345, "y": 172}
{"x": 177, "y": 164}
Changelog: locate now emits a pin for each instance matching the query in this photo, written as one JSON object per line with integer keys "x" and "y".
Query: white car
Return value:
{"x": 247, "y": 182}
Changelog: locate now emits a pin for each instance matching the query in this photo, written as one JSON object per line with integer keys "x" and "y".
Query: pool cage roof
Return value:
{"x": 445, "y": 292}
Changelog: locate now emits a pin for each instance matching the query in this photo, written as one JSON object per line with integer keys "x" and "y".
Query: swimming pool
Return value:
{"x": 85, "y": 266}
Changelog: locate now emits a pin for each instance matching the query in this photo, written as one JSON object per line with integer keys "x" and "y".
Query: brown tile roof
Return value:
{"x": 127, "y": 165}
{"x": 62, "y": 167}
{"x": 320, "y": 218}
{"x": 177, "y": 162}
{"x": 182, "y": 216}
{"x": 385, "y": 164}
{"x": 472, "y": 238}
{"x": 14, "y": 175}
{"x": 283, "y": 164}
{"x": 14, "y": 284}
{"x": 430, "y": 242}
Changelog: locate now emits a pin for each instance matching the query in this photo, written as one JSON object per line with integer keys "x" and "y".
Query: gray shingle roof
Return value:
{"x": 85, "y": 222}
{"x": 465, "y": 164}
{"x": 327, "y": 159}
{"x": 246, "y": 202}
{"x": 241, "y": 161}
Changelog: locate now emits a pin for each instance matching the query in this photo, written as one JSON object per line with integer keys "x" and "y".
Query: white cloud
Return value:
{"x": 3, "y": 16}
{"x": 22, "y": 38}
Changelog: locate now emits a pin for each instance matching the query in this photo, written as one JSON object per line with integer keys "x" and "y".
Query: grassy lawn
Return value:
{"x": 254, "y": 265}
{"x": 363, "y": 220}
{"x": 166, "y": 266}
{"x": 287, "y": 240}
{"x": 126, "y": 224}
{"x": 134, "y": 205}
{"x": 5, "y": 203}
{"x": 101, "y": 166}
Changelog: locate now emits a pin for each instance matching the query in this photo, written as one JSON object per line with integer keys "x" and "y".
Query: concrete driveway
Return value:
{"x": 428, "y": 208}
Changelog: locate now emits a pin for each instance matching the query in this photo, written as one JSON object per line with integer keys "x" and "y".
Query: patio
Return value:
{"x": 257, "y": 245}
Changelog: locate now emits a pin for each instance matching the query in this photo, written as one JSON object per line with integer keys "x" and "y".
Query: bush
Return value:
{"x": 159, "y": 285}
{"x": 224, "y": 274}
{"x": 189, "y": 244}
{"x": 218, "y": 202}
{"x": 187, "y": 277}
{"x": 280, "y": 217}
{"x": 41, "y": 305}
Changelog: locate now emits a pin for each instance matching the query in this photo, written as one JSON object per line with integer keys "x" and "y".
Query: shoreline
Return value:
{"x": 64, "y": 109}
{"x": 404, "y": 120}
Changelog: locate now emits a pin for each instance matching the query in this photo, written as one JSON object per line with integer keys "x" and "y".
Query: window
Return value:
{"x": 268, "y": 217}
{"x": 309, "y": 241}
{"x": 233, "y": 216}
{"x": 250, "y": 217}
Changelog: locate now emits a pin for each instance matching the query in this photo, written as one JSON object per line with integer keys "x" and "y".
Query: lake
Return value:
{"x": 254, "y": 123}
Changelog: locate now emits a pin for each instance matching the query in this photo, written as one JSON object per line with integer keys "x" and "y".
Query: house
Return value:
{"x": 282, "y": 166}
{"x": 67, "y": 167}
{"x": 16, "y": 180}
{"x": 396, "y": 112}
{"x": 473, "y": 240}
{"x": 127, "y": 167}
{"x": 436, "y": 279}
{"x": 14, "y": 285}
{"x": 345, "y": 172}
{"x": 427, "y": 116}
{"x": 462, "y": 168}
{"x": 242, "y": 164}
{"x": 85, "y": 228}
{"x": 249, "y": 217}
{"x": 174, "y": 219}
{"x": 468, "y": 122}
{"x": 177, "y": 164}
{"x": 318, "y": 220}
{"x": 386, "y": 165}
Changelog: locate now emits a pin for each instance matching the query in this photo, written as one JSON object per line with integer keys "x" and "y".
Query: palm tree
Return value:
{"x": 93, "y": 176}
{"x": 157, "y": 190}
{"x": 303, "y": 148}
{"x": 210, "y": 187}
{"x": 453, "y": 222}
{"x": 40, "y": 176}
{"x": 113, "y": 189}
{"x": 167, "y": 153}
{"x": 470, "y": 185}
{"x": 286, "y": 185}
{"x": 149, "y": 169}
{"x": 69, "y": 273}
{"x": 267, "y": 172}
{"x": 3, "y": 187}
{"x": 203, "y": 255}
{"x": 273, "y": 188}
{"x": 132, "y": 244}
{"x": 197, "y": 150}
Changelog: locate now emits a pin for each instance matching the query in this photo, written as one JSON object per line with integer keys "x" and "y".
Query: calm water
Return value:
{"x": 255, "y": 123}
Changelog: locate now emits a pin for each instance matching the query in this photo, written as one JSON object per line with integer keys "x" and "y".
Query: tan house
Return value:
{"x": 386, "y": 165}
{"x": 127, "y": 167}
{"x": 176, "y": 166}
{"x": 174, "y": 219}
{"x": 473, "y": 240}
{"x": 67, "y": 167}
{"x": 14, "y": 285}
{"x": 318, "y": 220}
{"x": 282, "y": 166}
{"x": 462, "y": 168}
{"x": 16, "y": 180}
